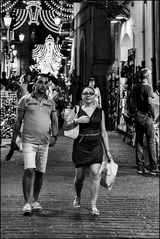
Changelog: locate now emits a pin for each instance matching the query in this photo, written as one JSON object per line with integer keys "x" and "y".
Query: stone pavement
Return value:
{"x": 129, "y": 210}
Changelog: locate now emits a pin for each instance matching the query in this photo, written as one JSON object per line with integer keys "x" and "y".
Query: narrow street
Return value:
{"x": 129, "y": 210}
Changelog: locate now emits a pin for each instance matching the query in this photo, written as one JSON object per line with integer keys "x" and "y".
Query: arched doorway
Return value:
{"x": 125, "y": 45}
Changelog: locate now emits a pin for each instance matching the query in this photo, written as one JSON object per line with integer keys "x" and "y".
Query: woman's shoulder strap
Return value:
{"x": 77, "y": 108}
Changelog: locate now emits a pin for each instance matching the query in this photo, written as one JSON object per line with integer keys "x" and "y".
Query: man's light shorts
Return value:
{"x": 35, "y": 156}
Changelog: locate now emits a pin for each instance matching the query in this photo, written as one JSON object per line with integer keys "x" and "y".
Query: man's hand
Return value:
{"x": 52, "y": 141}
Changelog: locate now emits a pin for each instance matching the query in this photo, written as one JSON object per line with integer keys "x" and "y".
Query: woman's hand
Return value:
{"x": 109, "y": 156}
{"x": 83, "y": 120}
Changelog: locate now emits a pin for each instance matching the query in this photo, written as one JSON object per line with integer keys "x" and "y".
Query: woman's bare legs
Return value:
{"x": 78, "y": 182}
{"x": 95, "y": 184}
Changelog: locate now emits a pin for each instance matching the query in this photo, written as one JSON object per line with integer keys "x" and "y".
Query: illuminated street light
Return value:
{"x": 14, "y": 52}
{"x": 21, "y": 37}
{"x": 121, "y": 17}
{"x": 115, "y": 21}
{"x": 7, "y": 20}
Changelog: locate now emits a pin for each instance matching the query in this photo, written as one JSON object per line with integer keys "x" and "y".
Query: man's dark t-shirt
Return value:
{"x": 142, "y": 92}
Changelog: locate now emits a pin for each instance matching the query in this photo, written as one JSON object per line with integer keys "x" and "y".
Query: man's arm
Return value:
{"x": 151, "y": 107}
{"x": 17, "y": 125}
{"x": 54, "y": 123}
{"x": 150, "y": 101}
{"x": 54, "y": 128}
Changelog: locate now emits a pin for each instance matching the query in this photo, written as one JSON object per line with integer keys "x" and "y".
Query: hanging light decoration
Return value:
{"x": 57, "y": 19}
{"x": 21, "y": 16}
{"x": 56, "y": 12}
{"x": 33, "y": 8}
{"x": 64, "y": 13}
{"x": 48, "y": 56}
{"x": 5, "y": 7}
{"x": 47, "y": 18}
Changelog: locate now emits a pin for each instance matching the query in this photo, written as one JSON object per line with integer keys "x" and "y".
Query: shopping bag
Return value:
{"x": 73, "y": 132}
{"x": 67, "y": 112}
{"x": 108, "y": 172}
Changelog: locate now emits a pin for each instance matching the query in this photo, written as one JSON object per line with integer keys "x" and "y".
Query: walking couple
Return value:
{"x": 38, "y": 114}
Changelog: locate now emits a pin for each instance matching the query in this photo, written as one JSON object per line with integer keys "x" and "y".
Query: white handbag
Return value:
{"x": 108, "y": 173}
{"x": 72, "y": 133}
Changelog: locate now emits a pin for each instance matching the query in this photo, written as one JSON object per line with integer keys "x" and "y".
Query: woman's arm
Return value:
{"x": 105, "y": 138}
{"x": 70, "y": 123}
{"x": 73, "y": 120}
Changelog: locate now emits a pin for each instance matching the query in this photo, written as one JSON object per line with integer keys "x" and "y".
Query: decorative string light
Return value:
{"x": 21, "y": 17}
{"x": 34, "y": 11}
{"x": 60, "y": 11}
{"x": 7, "y": 6}
{"x": 38, "y": 53}
{"x": 47, "y": 18}
{"x": 62, "y": 8}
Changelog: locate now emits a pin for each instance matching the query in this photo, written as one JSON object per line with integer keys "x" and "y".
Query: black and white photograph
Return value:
{"x": 80, "y": 119}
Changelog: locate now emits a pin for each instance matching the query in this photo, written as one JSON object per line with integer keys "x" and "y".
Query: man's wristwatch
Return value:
{"x": 54, "y": 137}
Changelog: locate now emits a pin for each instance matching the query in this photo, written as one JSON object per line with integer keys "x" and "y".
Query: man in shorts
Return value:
{"x": 40, "y": 128}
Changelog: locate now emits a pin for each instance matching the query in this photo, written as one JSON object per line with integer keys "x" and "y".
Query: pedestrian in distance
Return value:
{"x": 144, "y": 123}
{"x": 4, "y": 81}
{"x": 98, "y": 99}
{"x": 23, "y": 89}
{"x": 38, "y": 114}
{"x": 88, "y": 147}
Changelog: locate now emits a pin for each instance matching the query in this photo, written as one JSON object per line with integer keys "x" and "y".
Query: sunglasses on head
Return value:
{"x": 88, "y": 93}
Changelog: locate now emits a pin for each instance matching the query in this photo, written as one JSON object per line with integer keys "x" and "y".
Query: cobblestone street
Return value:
{"x": 129, "y": 210}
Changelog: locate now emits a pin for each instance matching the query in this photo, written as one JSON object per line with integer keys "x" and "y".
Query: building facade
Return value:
{"x": 114, "y": 51}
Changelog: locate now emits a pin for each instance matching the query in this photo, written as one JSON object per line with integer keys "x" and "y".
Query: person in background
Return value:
{"x": 52, "y": 89}
{"x": 74, "y": 88}
{"x": 92, "y": 83}
{"x": 2, "y": 87}
{"x": 88, "y": 147}
{"x": 38, "y": 114}
{"x": 4, "y": 80}
{"x": 23, "y": 89}
{"x": 144, "y": 123}
{"x": 30, "y": 87}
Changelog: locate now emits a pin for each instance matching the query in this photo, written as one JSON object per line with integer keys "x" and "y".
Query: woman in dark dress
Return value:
{"x": 87, "y": 148}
